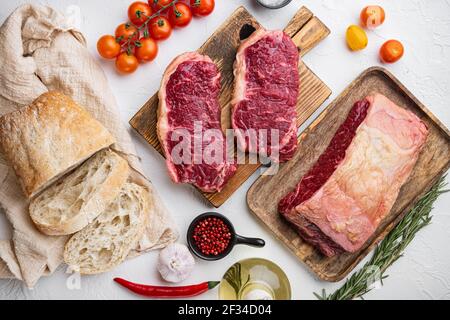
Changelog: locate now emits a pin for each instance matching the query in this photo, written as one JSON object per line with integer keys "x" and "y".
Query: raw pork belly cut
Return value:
{"x": 341, "y": 201}
{"x": 189, "y": 93}
{"x": 266, "y": 93}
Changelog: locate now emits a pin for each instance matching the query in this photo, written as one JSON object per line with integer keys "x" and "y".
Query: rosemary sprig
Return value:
{"x": 234, "y": 277}
{"x": 389, "y": 250}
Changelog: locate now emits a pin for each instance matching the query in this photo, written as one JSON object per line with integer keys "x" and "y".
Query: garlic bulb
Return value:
{"x": 175, "y": 263}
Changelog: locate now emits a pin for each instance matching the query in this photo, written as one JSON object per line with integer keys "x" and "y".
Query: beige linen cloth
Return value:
{"x": 40, "y": 52}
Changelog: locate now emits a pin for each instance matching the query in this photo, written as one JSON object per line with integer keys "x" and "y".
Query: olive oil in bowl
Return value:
{"x": 255, "y": 279}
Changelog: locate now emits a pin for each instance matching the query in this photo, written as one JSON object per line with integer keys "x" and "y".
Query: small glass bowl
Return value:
{"x": 255, "y": 279}
{"x": 279, "y": 6}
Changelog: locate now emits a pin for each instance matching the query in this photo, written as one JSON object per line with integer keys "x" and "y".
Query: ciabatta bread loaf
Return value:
{"x": 49, "y": 138}
{"x": 107, "y": 241}
{"x": 76, "y": 200}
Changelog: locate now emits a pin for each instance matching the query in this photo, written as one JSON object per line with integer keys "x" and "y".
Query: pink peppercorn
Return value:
{"x": 212, "y": 236}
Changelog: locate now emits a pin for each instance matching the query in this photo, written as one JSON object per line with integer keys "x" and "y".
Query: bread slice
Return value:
{"x": 107, "y": 241}
{"x": 48, "y": 139}
{"x": 77, "y": 199}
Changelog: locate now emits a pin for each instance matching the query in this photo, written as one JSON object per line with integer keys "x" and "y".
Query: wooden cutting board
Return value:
{"x": 267, "y": 191}
{"x": 306, "y": 31}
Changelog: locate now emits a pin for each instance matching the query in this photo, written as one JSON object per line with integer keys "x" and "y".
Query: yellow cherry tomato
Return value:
{"x": 356, "y": 38}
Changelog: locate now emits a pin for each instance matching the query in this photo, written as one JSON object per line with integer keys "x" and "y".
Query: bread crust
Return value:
{"x": 48, "y": 138}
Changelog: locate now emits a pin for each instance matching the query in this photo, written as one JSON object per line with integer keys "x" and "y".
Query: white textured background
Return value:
{"x": 424, "y": 28}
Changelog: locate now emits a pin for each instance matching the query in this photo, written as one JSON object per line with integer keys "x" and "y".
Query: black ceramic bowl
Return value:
{"x": 281, "y": 5}
{"x": 235, "y": 238}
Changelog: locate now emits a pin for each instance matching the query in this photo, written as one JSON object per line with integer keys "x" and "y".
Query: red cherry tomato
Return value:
{"x": 372, "y": 17}
{"x": 108, "y": 47}
{"x": 126, "y": 63}
{"x": 126, "y": 31}
{"x": 159, "y": 4}
{"x": 180, "y": 15}
{"x": 159, "y": 28}
{"x": 147, "y": 50}
{"x": 138, "y": 12}
{"x": 391, "y": 51}
{"x": 202, "y": 7}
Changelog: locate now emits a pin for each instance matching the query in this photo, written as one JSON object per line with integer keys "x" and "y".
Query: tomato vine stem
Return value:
{"x": 136, "y": 43}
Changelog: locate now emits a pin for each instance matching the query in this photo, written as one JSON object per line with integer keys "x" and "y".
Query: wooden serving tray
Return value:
{"x": 433, "y": 162}
{"x": 306, "y": 31}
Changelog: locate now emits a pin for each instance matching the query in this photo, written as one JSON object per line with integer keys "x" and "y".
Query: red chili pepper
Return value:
{"x": 167, "y": 292}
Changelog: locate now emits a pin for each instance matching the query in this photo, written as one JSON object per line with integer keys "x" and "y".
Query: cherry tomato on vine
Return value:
{"x": 108, "y": 47}
{"x": 202, "y": 7}
{"x": 160, "y": 28}
{"x": 159, "y": 4}
{"x": 147, "y": 50}
{"x": 126, "y": 63}
{"x": 391, "y": 51}
{"x": 138, "y": 12}
{"x": 180, "y": 15}
{"x": 372, "y": 17}
{"x": 126, "y": 31}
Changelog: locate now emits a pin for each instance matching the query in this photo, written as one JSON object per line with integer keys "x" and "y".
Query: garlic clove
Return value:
{"x": 175, "y": 263}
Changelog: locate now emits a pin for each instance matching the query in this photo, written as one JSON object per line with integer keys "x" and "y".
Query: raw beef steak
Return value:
{"x": 265, "y": 94}
{"x": 341, "y": 201}
{"x": 188, "y": 107}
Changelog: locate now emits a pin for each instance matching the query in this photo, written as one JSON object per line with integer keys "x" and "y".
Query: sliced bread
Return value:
{"x": 77, "y": 199}
{"x": 48, "y": 139}
{"x": 107, "y": 241}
